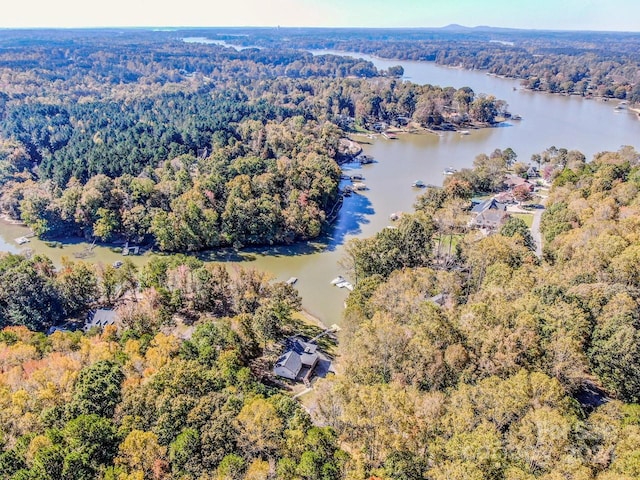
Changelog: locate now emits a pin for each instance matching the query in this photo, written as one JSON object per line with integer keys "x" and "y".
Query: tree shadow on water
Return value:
{"x": 354, "y": 212}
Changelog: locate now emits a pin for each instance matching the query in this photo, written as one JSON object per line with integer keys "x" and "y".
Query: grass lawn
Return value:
{"x": 527, "y": 217}
{"x": 449, "y": 243}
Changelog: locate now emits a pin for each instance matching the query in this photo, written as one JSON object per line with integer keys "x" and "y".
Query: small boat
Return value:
{"x": 465, "y": 132}
{"x": 357, "y": 176}
{"x": 345, "y": 284}
{"x": 359, "y": 186}
{"x": 389, "y": 136}
{"x": 117, "y": 264}
{"x": 292, "y": 281}
{"x": 395, "y": 216}
{"x": 418, "y": 184}
{"x": 337, "y": 280}
{"x": 21, "y": 240}
{"x": 365, "y": 159}
{"x": 516, "y": 117}
{"x": 449, "y": 171}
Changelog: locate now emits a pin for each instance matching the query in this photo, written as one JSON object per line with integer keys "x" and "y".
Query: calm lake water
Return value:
{"x": 590, "y": 126}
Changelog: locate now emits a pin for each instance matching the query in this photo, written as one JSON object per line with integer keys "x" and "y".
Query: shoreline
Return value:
{"x": 11, "y": 221}
{"x": 309, "y": 317}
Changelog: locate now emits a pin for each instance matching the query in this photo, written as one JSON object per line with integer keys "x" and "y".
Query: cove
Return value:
{"x": 571, "y": 122}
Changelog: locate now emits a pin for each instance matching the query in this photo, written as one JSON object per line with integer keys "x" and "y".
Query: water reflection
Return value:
{"x": 590, "y": 126}
{"x": 355, "y": 213}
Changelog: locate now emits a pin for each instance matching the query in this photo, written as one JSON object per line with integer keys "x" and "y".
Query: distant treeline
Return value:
{"x": 585, "y": 63}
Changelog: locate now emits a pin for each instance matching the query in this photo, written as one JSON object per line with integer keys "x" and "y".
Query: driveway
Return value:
{"x": 535, "y": 226}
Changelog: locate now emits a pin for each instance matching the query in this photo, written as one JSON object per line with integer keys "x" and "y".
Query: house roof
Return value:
{"x": 301, "y": 347}
{"x": 438, "y": 299}
{"x": 515, "y": 180}
{"x": 101, "y": 318}
{"x": 504, "y": 197}
{"x": 104, "y": 316}
{"x": 491, "y": 217}
{"x": 306, "y": 351}
{"x": 290, "y": 361}
{"x": 489, "y": 204}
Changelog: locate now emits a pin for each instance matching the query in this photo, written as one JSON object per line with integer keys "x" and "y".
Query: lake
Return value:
{"x": 571, "y": 122}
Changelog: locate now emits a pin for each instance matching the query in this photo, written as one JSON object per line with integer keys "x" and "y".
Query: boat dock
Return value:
{"x": 340, "y": 282}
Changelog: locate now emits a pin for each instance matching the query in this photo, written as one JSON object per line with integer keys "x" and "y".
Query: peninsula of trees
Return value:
{"x": 141, "y": 136}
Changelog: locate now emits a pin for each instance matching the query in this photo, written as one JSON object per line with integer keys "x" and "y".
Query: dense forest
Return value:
{"x": 140, "y": 402}
{"x": 578, "y": 63}
{"x": 528, "y": 369}
{"x": 139, "y": 136}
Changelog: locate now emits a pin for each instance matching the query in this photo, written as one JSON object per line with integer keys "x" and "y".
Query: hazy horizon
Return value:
{"x": 574, "y": 15}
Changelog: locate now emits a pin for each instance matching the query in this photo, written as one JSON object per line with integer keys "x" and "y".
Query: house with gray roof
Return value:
{"x": 490, "y": 219}
{"x": 298, "y": 362}
{"x": 101, "y": 318}
{"x": 489, "y": 204}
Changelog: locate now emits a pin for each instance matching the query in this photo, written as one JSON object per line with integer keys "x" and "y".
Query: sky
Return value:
{"x": 620, "y": 15}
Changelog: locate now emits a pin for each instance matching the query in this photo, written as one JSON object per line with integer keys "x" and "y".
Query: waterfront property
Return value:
{"x": 513, "y": 181}
{"x": 489, "y": 204}
{"x": 298, "y": 361}
{"x": 490, "y": 219}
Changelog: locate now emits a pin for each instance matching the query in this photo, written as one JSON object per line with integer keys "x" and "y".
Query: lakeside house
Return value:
{"x": 490, "y": 219}
{"x": 489, "y": 204}
{"x": 100, "y": 318}
{"x": 298, "y": 362}
{"x": 490, "y": 214}
{"x": 512, "y": 181}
